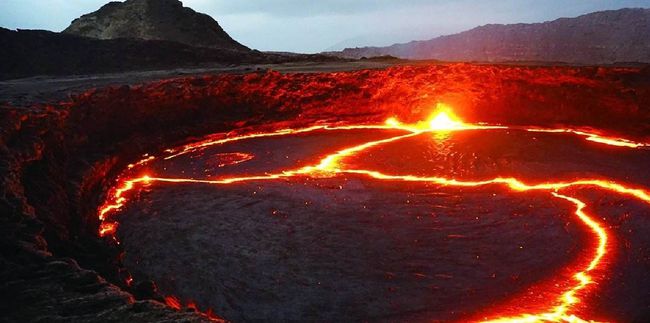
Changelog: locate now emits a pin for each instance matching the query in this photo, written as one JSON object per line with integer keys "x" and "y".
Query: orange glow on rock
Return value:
{"x": 173, "y": 302}
{"x": 107, "y": 228}
{"x": 559, "y": 308}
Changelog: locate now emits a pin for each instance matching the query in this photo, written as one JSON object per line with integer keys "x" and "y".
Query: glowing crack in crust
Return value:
{"x": 441, "y": 121}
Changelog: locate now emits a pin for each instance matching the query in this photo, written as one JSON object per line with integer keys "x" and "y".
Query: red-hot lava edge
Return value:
{"x": 566, "y": 294}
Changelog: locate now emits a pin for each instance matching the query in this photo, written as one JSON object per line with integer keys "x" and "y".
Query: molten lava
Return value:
{"x": 444, "y": 119}
{"x": 560, "y": 308}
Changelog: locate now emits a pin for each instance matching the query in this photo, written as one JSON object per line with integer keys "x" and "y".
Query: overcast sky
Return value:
{"x": 317, "y": 25}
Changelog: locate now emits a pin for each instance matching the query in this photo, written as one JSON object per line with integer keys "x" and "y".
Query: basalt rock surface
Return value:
{"x": 57, "y": 160}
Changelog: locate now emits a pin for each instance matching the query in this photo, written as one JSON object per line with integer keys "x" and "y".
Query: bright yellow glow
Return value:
{"x": 442, "y": 121}
{"x": 392, "y": 122}
{"x": 445, "y": 119}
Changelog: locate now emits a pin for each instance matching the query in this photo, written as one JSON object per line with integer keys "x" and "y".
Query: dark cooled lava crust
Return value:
{"x": 57, "y": 160}
{"x": 354, "y": 248}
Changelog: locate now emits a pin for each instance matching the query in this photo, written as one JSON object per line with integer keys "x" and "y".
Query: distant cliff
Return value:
{"x": 604, "y": 37}
{"x": 153, "y": 20}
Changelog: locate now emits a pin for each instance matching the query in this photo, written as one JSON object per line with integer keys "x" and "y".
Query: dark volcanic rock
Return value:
{"x": 38, "y": 52}
{"x": 598, "y": 38}
{"x": 153, "y": 20}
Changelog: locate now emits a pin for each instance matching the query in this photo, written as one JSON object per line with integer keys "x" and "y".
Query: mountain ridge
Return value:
{"x": 603, "y": 37}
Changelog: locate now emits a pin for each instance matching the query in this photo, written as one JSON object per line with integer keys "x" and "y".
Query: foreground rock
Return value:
{"x": 153, "y": 20}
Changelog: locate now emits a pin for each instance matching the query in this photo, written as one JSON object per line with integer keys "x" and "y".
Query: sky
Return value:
{"x": 309, "y": 26}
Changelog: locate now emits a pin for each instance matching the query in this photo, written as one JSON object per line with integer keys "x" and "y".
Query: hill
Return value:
{"x": 153, "y": 20}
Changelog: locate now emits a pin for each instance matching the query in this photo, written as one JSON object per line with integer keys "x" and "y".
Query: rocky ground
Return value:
{"x": 23, "y": 92}
{"x": 58, "y": 158}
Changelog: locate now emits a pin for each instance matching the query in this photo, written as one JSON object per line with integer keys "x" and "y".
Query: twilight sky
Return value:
{"x": 317, "y": 25}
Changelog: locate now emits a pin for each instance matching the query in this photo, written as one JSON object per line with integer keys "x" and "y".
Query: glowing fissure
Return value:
{"x": 612, "y": 141}
{"x": 330, "y": 166}
{"x": 283, "y": 132}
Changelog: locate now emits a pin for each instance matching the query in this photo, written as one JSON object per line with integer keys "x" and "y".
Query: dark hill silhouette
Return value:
{"x": 153, "y": 20}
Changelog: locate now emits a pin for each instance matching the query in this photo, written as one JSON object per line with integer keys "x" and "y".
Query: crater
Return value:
{"x": 60, "y": 160}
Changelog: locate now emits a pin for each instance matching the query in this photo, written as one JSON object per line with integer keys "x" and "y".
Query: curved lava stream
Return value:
{"x": 444, "y": 120}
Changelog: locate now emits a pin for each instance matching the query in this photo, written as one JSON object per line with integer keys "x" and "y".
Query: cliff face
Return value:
{"x": 153, "y": 20}
{"x": 598, "y": 38}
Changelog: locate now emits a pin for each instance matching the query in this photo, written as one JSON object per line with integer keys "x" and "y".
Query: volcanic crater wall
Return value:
{"x": 58, "y": 160}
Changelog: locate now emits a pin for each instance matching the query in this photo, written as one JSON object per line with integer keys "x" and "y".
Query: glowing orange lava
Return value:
{"x": 612, "y": 141}
{"x": 173, "y": 302}
{"x": 444, "y": 119}
{"x": 559, "y": 309}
